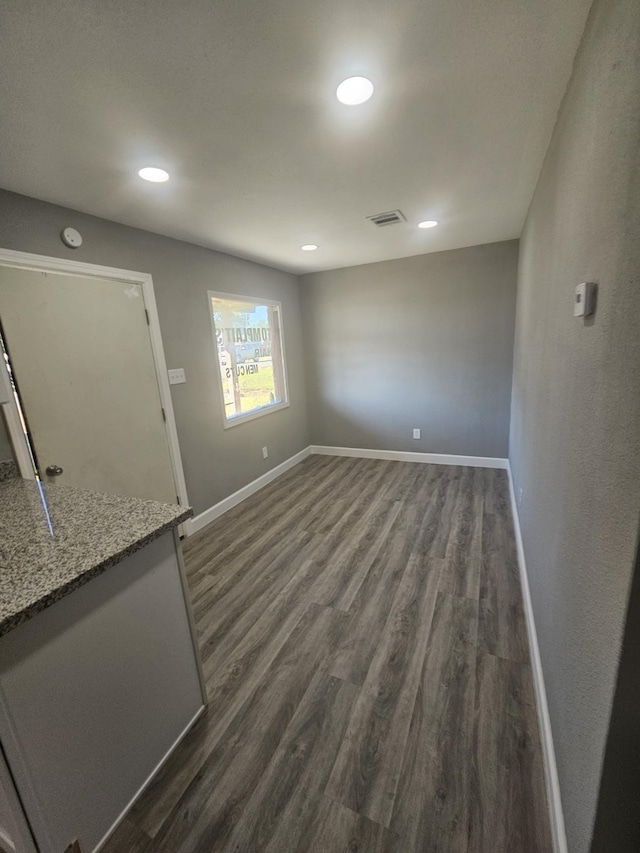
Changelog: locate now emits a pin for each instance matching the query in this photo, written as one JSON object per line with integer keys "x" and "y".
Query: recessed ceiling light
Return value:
{"x": 309, "y": 247}
{"x": 152, "y": 173}
{"x": 428, "y": 223}
{"x": 354, "y": 91}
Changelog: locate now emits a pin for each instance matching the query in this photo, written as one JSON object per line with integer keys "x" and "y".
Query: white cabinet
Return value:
{"x": 95, "y": 691}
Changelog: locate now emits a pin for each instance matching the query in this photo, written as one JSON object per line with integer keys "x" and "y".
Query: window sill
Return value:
{"x": 257, "y": 413}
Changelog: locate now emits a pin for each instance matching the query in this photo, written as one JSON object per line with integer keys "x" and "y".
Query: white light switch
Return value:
{"x": 416, "y": 433}
{"x": 177, "y": 376}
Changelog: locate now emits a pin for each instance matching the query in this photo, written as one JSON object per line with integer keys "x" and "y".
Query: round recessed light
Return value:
{"x": 428, "y": 223}
{"x": 309, "y": 247}
{"x": 354, "y": 91}
{"x": 152, "y": 173}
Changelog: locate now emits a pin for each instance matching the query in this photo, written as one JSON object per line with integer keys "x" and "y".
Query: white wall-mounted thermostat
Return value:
{"x": 585, "y": 299}
{"x": 71, "y": 238}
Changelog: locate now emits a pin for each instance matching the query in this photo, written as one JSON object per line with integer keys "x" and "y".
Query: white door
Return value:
{"x": 82, "y": 359}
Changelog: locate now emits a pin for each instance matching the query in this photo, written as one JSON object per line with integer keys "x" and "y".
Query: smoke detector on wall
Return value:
{"x": 71, "y": 238}
{"x": 390, "y": 217}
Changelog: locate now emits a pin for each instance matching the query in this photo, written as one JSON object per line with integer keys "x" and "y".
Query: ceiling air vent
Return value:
{"x": 391, "y": 217}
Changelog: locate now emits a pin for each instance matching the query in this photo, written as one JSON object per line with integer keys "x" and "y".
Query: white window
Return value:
{"x": 250, "y": 351}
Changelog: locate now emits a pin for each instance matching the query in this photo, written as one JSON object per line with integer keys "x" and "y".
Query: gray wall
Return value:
{"x": 575, "y": 420}
{"x": 420, "y": 342}
{"x": 5, "y": 445}
{"x": 617, "y": 825}
{"x": 217, "y": 462}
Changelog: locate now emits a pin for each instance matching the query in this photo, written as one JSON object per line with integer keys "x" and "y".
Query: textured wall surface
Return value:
{"x": 617, "y": 825}
{"x": 216, "y": 461}
{"x": 5, "y": 445}
{"x": 575, "y": 420}
{"x": 420, "y": 342}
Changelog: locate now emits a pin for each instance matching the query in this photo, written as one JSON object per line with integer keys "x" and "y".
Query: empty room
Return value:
{"x": 319, "y": 426}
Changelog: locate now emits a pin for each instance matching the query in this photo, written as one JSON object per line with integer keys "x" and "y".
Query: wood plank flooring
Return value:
{"x": 364, "y": 645}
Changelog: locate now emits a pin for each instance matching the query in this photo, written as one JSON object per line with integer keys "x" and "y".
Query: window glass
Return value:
{"x": 248, "y": 338}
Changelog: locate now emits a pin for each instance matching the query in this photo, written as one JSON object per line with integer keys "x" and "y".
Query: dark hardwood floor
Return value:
{"x": 364, "y": 646}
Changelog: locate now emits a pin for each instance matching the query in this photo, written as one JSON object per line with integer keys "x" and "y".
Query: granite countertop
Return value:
{"x": 54, "y": 539}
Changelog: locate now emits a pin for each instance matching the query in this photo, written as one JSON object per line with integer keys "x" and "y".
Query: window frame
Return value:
{"x": 263, "y": 410}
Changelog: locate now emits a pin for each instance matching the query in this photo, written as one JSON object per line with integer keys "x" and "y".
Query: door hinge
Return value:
{"x": 164, "y": 416}
{"x": 146, "y": 314}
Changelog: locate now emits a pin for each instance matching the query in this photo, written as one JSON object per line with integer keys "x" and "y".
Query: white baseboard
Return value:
{"x": 225, "y": 505}
{"x": 5, "y": 842}
{"x": 554, "y": 799}
{"x": 148, "y": 780}
{"x": 411, "y": 456}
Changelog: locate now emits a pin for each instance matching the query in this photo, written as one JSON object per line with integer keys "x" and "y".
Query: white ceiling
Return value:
{"x": 236, "y": 99}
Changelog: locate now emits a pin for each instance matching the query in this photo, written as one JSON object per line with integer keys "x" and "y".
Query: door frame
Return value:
{"x": 42, "y": 263}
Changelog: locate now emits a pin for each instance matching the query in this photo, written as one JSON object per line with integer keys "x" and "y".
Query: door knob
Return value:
{"x": 53, "y": 470}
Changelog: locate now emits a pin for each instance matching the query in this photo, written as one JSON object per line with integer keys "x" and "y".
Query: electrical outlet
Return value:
{"x": 520, "y": 493}
{"x": 416, "y": 433}
{"x": 265, "y": 453}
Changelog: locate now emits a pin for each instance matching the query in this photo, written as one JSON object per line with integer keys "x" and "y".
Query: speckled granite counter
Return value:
{"x": 56, "y": 539}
